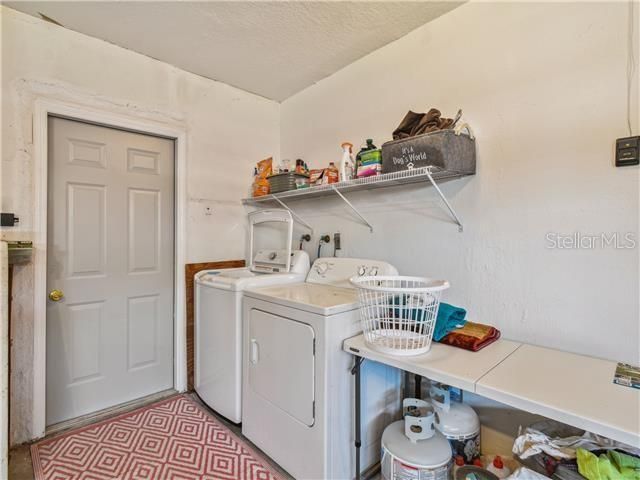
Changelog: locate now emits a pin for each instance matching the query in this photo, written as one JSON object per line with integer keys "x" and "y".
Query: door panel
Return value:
{"x": 110, "y": 250}
{"x": 144, "y": 230}
{"x": 85, "y": 324}
{"x": 86, "y": 153}
{"x": 142, "y": 161}
{"x": 86, "y": 242}
{"x": 142, "y": 334}
{"x": 282, "y": 363}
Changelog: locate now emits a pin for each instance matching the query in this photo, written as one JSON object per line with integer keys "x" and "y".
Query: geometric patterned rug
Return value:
{"x": 175, "y": 439}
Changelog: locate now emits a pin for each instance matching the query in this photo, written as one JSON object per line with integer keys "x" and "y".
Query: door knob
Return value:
{"x": 56, "y": 295}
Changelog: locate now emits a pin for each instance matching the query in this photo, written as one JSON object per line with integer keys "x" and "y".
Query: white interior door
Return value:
{"x": 282, "y": 364}
{"x": 110, "y": 251}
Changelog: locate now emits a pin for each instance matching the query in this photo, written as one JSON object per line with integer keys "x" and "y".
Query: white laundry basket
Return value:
{"x": 398, "y": 313}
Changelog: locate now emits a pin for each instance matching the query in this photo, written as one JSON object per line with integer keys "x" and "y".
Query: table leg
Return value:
{"x": 355, "y": 371}
{"x": 418, "y": 387}
{"x": 407, "y": 381}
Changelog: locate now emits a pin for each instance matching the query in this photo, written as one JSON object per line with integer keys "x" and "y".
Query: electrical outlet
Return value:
{"x": 336, "y": 240}
{"x": 8, "y": 220}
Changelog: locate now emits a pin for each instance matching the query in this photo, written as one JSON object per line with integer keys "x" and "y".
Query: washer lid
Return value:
{"x": 238, "y": 279}
{"x": 309, "y": 297}
{"x": 431, "y": 453}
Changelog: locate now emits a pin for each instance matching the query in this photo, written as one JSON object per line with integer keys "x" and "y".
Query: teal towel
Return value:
{"x": 449, "y": 317}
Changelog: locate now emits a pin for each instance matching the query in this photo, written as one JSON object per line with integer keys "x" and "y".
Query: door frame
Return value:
{"x": 44, "y": 108}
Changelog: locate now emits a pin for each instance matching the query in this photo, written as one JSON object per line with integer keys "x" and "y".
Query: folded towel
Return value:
{"x": 473, "y": 336}
{"x": 418, "y": 123}
{"x": 449, "y": 318}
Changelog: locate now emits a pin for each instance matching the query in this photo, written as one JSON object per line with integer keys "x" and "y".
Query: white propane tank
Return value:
{"x": 458, "y": 422}
{"x": 412, "y": 449}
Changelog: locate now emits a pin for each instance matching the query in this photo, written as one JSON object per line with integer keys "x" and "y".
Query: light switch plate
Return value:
{"x": 627, "y": 150}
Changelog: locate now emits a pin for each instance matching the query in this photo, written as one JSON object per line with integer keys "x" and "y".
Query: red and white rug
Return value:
{"x": 175, "y": 439}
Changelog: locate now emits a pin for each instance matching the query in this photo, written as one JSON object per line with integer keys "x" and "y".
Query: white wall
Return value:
{"x": 543, "y": 86}
{"x": 228, "y": 130}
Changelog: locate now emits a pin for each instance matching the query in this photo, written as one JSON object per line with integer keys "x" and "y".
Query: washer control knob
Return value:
{"x": 273, "y": 255}
{"x": 373, "y": 271}
{"x": 362, "y": 270}
{"x": 321, "y": 268}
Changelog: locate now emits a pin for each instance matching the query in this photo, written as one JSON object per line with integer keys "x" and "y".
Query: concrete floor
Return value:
{"x": 20, "y": 467}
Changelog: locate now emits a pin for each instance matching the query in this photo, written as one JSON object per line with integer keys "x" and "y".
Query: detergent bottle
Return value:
{"x": 346, "y": 164}
{"x": 331, "y": 174}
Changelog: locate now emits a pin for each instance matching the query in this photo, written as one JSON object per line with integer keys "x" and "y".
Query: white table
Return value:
{"x": 449, "y": 365}
{"x": 573, "y": 389}
{"x": 570, "y": 388}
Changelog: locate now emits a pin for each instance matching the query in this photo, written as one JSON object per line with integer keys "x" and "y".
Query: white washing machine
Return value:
{"x": 297, "y": 387}
{"x": 218, "y": 316}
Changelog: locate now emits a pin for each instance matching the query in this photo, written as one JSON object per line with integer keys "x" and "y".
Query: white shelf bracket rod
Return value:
{"x": 293, "y": 214}
{"x": 355, "y": 210}
{"x": 446, "y": 202}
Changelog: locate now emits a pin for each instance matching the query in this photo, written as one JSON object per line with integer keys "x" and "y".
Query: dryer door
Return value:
{"x": 282, "y": 363}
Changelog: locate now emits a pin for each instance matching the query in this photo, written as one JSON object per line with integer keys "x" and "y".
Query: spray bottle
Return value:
{"x": 346, "y": 164}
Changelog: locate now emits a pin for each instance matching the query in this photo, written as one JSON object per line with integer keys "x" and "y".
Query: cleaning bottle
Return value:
{"x": 498, "y": 468}
{"x": 331, "y": 173}
{"x": 366, "y": 147}
{"x": 346, "y": 164}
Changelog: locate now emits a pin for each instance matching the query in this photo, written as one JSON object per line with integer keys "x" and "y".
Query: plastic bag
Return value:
{"x": 261, "y": 185}
{"x": 551, "y": 438}
{"x": 523, "y": 473}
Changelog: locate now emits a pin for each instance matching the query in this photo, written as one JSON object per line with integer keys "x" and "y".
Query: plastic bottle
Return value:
{"x": 366, "y": 147}
{"x": 346, "y": 164}
{"x": 498, "y": 468}
{"x": 332, "y": 173}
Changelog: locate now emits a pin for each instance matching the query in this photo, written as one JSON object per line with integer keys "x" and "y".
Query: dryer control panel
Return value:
{"x": 338, "y": 270}
{"x": 275, "y": 261}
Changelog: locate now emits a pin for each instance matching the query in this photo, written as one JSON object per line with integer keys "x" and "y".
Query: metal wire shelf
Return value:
{"x": 403, "y": 177}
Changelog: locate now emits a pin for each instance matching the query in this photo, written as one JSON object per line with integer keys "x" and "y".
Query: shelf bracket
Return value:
{"x": 446, "y": 202}
{"x": 355, "y": 210}
{"x": 293, "y": 214}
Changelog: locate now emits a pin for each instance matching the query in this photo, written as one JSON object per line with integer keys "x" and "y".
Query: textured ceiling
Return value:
{"x": 274, "y": 49}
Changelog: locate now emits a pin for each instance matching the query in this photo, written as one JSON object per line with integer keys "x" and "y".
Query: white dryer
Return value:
{"x": 297, "y": 390}
{"x": 218, "y": 315}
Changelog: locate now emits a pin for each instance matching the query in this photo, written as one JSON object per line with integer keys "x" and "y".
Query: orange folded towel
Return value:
{"x": 473, "y": 336}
